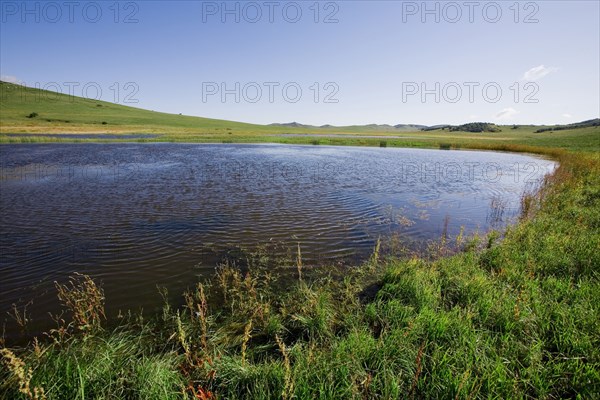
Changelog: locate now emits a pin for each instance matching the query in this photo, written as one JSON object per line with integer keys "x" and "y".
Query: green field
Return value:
{"x": 512, "y": 314}
{"x": 59, "y": 113}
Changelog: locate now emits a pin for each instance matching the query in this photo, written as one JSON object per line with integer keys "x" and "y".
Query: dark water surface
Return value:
{"x": 135, "y": 216}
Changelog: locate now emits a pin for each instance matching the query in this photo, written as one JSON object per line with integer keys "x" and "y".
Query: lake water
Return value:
{"x": 134, "y": 216}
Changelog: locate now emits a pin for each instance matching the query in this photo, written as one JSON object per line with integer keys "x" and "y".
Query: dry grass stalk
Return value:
{"x": 23, "y": 375}
{"x": 299, "y": 263}
{"x": 247, "y": 337}
{"x": 85, "y": 301}
{"x": 289, "y": 383}
{"x": 419, "y": 363}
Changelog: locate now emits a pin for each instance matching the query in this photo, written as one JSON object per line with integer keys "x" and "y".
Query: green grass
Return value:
{"x": 511, "y": 315}
{"x": 87, "y": 116}
{"x": 63, "y": 113}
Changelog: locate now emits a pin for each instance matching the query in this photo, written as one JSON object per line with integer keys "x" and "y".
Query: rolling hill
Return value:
{"x": 42, "y": 114}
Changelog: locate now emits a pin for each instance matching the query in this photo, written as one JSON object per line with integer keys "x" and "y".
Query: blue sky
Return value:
{"x": 368, "y": 61}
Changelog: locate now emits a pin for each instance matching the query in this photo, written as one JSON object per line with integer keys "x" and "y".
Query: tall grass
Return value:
{"x": 510, "y": 318}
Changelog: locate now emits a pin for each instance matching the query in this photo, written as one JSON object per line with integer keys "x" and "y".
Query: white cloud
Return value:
{"x": 506, "y": 113}
{"x": 473, "y": 116}
{"x": 567, "y": 115}
{"x": 10, "y": 79}
{"x": 537, "y": 73}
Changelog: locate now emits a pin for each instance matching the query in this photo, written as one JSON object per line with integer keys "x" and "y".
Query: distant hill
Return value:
{"x": 25, "y": 109}
{"x": 410, "y": 127}
{"x": 293, "y": 125}
{"x": 435, "y": 127}
{"x": 476, "y": 127}
{"x": 362, "y": 128}
{"x": 577, "y": 125}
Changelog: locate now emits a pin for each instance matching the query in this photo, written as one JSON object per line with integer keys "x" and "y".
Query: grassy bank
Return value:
{"x": 516, "y": 318}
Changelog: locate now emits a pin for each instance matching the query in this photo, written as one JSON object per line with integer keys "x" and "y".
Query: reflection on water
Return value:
{"x": 136, "y": 216}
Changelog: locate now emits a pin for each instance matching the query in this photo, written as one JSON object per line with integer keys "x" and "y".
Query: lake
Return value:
{"x": 138, "y": 216}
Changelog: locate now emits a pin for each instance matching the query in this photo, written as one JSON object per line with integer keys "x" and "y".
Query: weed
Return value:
{"x": 84, "y": 300}
{"x": 22, "y": 374}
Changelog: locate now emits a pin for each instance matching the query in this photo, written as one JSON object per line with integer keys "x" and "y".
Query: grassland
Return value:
{"x": 59, "y": 113}
{"x": 513, "y": 314}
